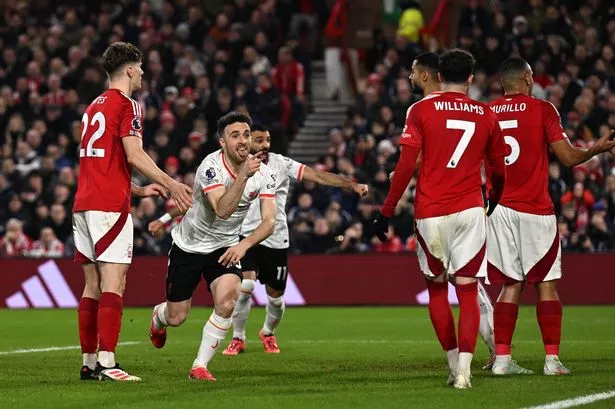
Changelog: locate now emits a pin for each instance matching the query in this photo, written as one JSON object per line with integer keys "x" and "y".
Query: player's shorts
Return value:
{"x": 522, "y": 247}
{"x": 186, "y": 269}
{"x": 453, "y": 244}
{"x": 271, "y": 265}
{"x": 102, "y": 237}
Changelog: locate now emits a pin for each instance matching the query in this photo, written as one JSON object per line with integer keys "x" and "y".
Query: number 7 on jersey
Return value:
{"x": 468, "y": 129}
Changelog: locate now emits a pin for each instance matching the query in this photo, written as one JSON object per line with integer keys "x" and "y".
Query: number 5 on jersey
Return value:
{"x": 90, "y": 151}
{"x": 515, "y": 149}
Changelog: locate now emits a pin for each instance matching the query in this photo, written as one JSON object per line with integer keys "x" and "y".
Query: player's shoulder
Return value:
{"x": 213, "y": 159}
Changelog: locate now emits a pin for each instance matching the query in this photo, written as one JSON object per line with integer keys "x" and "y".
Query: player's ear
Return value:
{"x": 470, "y": 79}
{"x": 439, "y": 77}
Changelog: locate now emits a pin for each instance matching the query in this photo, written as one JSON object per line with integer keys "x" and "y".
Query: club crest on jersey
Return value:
{"x": 252, "y": 195}
{"x": 210, "y": 173}
{"x": 136, "y": 123}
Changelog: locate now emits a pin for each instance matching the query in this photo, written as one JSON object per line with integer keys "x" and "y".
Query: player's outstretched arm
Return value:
{"x": 399, "y": 183}
{"x": 571, "y": 156}
{"x": 159, "y": 223}
{"x": 133, "y": 146}
{"x": 225, "y": 202}
{"x": 331, "y": 179}
{"x": 233, "y": 254}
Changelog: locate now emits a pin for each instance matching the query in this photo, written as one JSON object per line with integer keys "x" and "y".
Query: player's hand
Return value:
{"x": 233, "y": 255}
{"x": 606, "y": 143}
{"x": 154, "y": 226}
{"x": 381, "y": 227}
{"x": 182, "y": 195}
{"x": 154, "y": 190}
{"x": 360, "y": 189}
{"x": 251, "y": 165}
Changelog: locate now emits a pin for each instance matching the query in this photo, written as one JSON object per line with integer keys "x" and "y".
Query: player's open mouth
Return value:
{"x": 243, "y": 151}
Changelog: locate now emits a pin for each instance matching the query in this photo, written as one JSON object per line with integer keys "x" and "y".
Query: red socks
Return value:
{"x": 549, "y": 314}
{"x": 88, "y": 328}
{"x": 109, "y": 321}
{"x": 441, "y": 315}
{"x": 504, "y": 321}
{"x": 469, "y": 316}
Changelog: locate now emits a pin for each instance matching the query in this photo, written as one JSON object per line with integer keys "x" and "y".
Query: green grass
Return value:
{"x": 331, "y": 358}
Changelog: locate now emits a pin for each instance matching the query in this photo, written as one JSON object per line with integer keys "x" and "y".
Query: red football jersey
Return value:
{"x": 104, "y": 172}
{"x": 529, "y": 126}
{"x": 455, "y": 135}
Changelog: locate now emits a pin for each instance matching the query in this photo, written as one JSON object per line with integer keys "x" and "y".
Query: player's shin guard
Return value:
{"x": 469, "y": 316}
{"x": 275, "y": 312}
{"x": 486, "y": 326}
{"x": 441, "y": 315}
{"x": 109, "y": 324}
{"x": 214, "y": 332}
{"x": 242, "y": 309}
{"x": 88, "y": 330}
{"x": 549, "y": 314}
{"x": 505, "y": 319}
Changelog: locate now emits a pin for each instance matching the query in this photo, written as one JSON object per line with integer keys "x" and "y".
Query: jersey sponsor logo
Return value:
{"x": 210, "y": 174}
{"x": 136, "y": 123}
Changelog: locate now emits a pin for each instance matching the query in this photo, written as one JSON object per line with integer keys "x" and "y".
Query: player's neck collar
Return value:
{"x": 227, "y": 167}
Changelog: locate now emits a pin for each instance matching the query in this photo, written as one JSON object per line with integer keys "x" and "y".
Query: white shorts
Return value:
{"x": 522, "y": 247}
{"x": 453, "y": 244}
{"x": 102, "y": 236}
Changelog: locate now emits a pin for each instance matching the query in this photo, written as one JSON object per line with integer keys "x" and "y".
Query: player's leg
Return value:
{"x": 485, "y": 328}
{"x": 112, "y": 234}
{"x": 274, "y": 273}
{"x": 541, "y": 259}
{"x": 467, "y": 234}
{"x": 549, "y": 314}
{"x": 240, "y": 315}
{"x": 183, "y": 277}
{"x": 88, "y": 305}
{"x": 249, "y": 265}
{"x": 440, "y": 312}
{"x": 505, "y": 269}
{"x": 88, "y": 320}
{"x": 225, "y": 290}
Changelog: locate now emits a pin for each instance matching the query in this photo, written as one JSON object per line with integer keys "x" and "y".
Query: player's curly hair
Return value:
{"x": 118, "y": 54}
{"x": 456, "y": 66}
{"x": 232, "y": 117}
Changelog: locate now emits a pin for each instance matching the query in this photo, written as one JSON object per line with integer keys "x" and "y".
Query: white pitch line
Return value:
{"x": 50, "y": 349}
{"x": 578, "y": 401}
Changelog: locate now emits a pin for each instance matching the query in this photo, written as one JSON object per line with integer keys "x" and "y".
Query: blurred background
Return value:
{"x": 329, "y": 79}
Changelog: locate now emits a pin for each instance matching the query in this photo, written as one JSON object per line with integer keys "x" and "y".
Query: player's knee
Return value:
{"x": 92, "y": 290}
{"x": 247, "y": 285}
{"x": 226, "y": 307}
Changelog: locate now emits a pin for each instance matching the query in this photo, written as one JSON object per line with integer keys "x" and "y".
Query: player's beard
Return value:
{"x": 417, "y": 89}
{"x": 242, "y": 152}
{"x": 264, "y": 156}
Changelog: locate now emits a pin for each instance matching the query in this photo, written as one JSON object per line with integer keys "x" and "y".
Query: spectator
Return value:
{"x": 304, "y": 209}
{"x": 60, "y": 223}
{"x": 14, "y": 243}
{"x": 48, "y": 246}
{"x": 288, "y": 76}
{"x": 26, "y": 158}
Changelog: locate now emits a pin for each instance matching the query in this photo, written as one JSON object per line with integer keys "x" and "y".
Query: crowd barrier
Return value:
{"x": 367, "y": 279}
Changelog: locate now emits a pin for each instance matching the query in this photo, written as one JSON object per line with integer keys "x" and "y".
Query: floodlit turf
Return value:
{"x": 331, "y": 358}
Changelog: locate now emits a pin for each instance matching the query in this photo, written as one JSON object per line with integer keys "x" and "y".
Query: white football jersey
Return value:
{"x": 201, "y": 230}
{"x": 283, "y": 169}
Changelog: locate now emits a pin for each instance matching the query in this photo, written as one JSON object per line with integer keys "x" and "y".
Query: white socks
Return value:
{"x": 453, "y": 360}
{"x": 89, "y": 360}
{"x": 465, "y": 362}
{"x": 106, "y": 359}
{"x": 213, "y": 333}
{"x": 242, "y": 309}
{"x": 275, "y": 312}
{"x": 485, "y": 328}
{"x": 160, "y": 319}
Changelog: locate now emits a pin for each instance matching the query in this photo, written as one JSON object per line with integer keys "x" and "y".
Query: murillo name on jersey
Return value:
{"x": 499, "y": 109}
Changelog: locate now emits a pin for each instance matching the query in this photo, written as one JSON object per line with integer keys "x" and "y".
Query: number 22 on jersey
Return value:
{"x": 89, "y": 138}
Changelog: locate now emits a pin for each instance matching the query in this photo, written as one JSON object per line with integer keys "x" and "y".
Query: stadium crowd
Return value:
{"x": 256, "y": 58}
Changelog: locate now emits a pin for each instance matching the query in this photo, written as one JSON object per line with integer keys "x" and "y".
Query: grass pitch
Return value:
{"x": 331, "y": 358}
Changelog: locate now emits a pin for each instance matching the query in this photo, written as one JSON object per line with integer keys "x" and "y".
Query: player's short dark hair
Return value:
{"x": 455, "y": 66}
{"x": 231, "y": 118}
{"x": 513, "y": 67}
{"x": 118, "y": 54}
{"x": 259, "y": 128}
{"x": 428, "y": 61}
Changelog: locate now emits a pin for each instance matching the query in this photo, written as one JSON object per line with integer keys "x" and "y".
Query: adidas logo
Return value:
{"x": 292, "y": 295}
{"x": 52, "y": 291}
{"x": 422, "y": 298}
